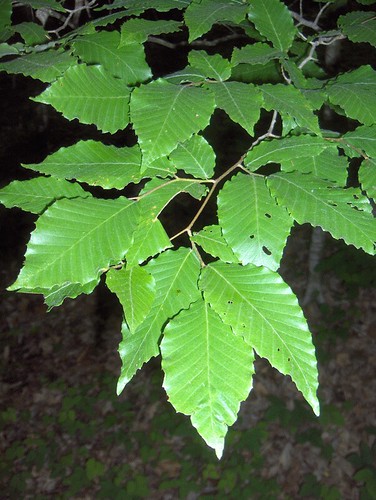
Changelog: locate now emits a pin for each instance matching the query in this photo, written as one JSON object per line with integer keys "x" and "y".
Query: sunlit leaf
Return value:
{"x": 74, "y": 240}
{"x": 258, "y": 232}
{"x": 367, "y": 177}
{"x": 211, "y": 239}
{"x": 135, "y": 289}
{"x": 359, "y": 26}
{"x": 94, "y": 163}
{"x": 45, "y": 66}
{"x": 138, "y": 30}
{"x": 283, "y": 150}
{"x": 242, "y": 102}
{"x": 195, "y": 156}
{"x": 257, "y": 53}
{"x": 176, "y": 274}
{"x": 362, "y": 139}
{"x": 36, "y": 194}
{"x": 262, "y": 309}
{"x": 328, "y": 165}
{"x": 212, "y": 66}
{"x": 355, "y": 92}
{"x": 288, "y": 100}
{"x": 164, "y": 115}
{"x": 210, "y": 383}
{"x": 345, "y": 213}
{"x": 126, "y": 62}
{"x": 31, "y": 33}
{"x": 200, "y": 16}
{"x": 274, "y": 21}
{"x": 91, "y": 95}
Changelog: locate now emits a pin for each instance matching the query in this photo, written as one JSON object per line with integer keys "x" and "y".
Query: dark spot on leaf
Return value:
{"x": 266, "y": 250}
{"x": 288, "y": 359}
{"x": 268, "y": 216}
{"x": 252, "y": 236}
{"x": 278, "y": 349}
{"x": 229, "y": 302}
{"x": 178, "y": 291}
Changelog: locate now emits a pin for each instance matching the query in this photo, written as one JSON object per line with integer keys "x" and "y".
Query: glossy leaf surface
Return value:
{"x": 94, "y": 163}
{"x": 175, "y": 274}
{"x": 256, "y": 233}
{"x": 195, "y": 156}
{"x": 344, "y": 213}
{"x": 36, "y": 194}
{"x": 75, "y": 239}
{"x": 126, "y": 62}
{"x": 210, "y": 383}
{"x": 200, "y": 16}
{"x": 211, "y": 239}
{"x": 92, "y": 95}
{"x": 355, "y": 92}
{"x": 164, "y": 115}
{"x": 240, "y": 101}
{"x": 135, "y": 289}
{"x": 273, "y": 20}
{"x": 262, "y": 309}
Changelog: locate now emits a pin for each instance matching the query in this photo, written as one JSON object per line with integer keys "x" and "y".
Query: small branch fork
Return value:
{"x": 214, "y": 183}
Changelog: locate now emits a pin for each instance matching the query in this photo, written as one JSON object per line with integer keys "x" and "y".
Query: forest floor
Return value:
{"x": 65, "y": 434}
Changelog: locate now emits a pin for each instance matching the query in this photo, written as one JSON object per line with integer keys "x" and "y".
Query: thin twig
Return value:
{"x": 208, "y": 196}
{"x": 304, "y": 22}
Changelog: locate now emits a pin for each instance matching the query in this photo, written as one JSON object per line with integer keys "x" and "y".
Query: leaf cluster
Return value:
{"x": 207, "y": 307}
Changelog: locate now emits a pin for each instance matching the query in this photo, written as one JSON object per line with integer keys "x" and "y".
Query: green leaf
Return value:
{"x": 263, "y": 310}
{"x": 36, "y": 194}
{"x": 241, "y": 101}
{"x": 32, "y": 33}
{"x": 136, "y": 7}
{"x": 9, "y": 50}
{"x": 211, "y": 239}
{"x": 75, "y": 240}
{"x": 138, "y": 30}
{"x": 94, "y": 163}
{"x": 212, "y": 66}
{"x": 355, "y": 92}
{"x": 55, "y": 296}
{"x": 5, "y": 13}
{"x": 258, "y": 232}
{"x": 359, "y": 26}
{"x": 45, "y": 66}
{"x": 210, "y": 382}
{"x": 345, "y": 213}
{"x": 44, "y": 4}
{"x": 361, "y": 139}
{"x": 257, "y": 53}
{"x": 283, "y": 150}
{"x": 164, "y": 115}
{"x": 127, "y": 63}
{"x": 158, "y": 193}
{"x": 161, "y": 167}
{"x": 149, "y": 239}
{"x": 257, "y": 73}
{"x": 91, "y": 95}
{"x": 186, "y": 75}
{"x": 201, "y": 15}
{"x": 367, "y": 177}
{"x": 195, "y": 156}
{"x": 327, "y": 165}
{"x": 274, "y": 21}
{"x": 135, "y": 289}
{"x": 288, "y": 100}
{"x": 176, "y": 274}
